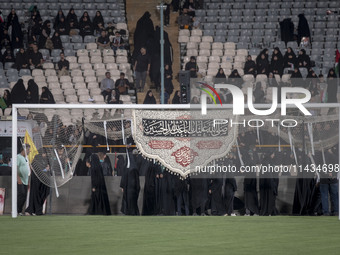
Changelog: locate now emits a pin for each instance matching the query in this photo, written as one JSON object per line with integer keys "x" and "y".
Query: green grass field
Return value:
{"x": 169, "y": 235}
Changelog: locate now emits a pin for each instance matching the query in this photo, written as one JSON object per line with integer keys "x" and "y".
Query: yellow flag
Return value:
{"x": 33, "y": 150}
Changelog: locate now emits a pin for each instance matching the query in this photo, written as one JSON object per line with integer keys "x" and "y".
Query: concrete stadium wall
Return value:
{"x": 76, "y": 194}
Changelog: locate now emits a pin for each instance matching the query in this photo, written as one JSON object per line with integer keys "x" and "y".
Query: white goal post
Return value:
{"x": 16, "y": 107}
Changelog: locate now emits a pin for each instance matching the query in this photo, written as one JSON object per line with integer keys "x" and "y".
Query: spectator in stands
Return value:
{"x": 122, "y": 84}
{"x": 272, "y": 81}
{"x": 63, "y": 65}
{"x": 86, "y": 14}
{"x": 85, "y": 26}
{"x": 191, "y": 6}
{"x": 141, "y": 68}
{"x": 35, "y": 14}
{"x": 35, "y": 58}
{"x": 184, "y": 20}
{"x": 220, "y": 77}
{"x": 262, "y": 63}
{"x": 103, "y": 41}
{"x": 276, "y": 63}
{"x": 250, "y": 66}
{"x": 117, "y": 42}
{"x": 45, "y": 35}
{"x": 57, "y": 20}
{"x": 175, "y": 5}
{"x": 177, "y": 98}
{"x": 287, "y": 30}
{"x": 296, "y": 78}
{"x": 62, "y": 27}
{"x": 168, "y": 86}
{"x": 23, "y": 173}
{"x": 110, "y": 29}
{"x": 259, "y": 94}
{"x": 322, "y": 85}
{"x": 17, "y": 35}
{"x": 7, "y": 99}
{"x": 21, "y": 60}
{"x": 98, "y": 19}
{"x": 289, "y": 59}
{"x": 35, "y": 31}
{"x": 56, "y": 40}
{"x": 72, "y": 18}
{"x": 18, "y": 95}
{"x": 332, "y": 89}
{"x": 32, "y": 92}
{"x": 192, "y": 67}
{"x": 235, "y": 79}
{"x": 105, "y": 163}
{"x": 149, "y": 98}
{"x": 12, "y": 17}
{"x": 5, "y": 40}
{"x": 46, "y": 96}
{"x": 8, "y": 56}
{"x": 303, "y": 59}
{"x": 114, "y": 98}
{"x": 303, "y": 28}
{"x": 312, "y": 85}
{"x": 106, "y": 86}
{"x": 143, "y": 33}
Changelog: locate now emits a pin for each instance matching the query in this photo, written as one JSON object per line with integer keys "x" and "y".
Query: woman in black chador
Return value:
{"x": 99, "y": 199}
{"x": 38, "y": 190}
{"x": 130, "y": 186}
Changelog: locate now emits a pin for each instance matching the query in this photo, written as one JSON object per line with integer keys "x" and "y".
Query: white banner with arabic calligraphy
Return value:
{"x": 181, "y": 140}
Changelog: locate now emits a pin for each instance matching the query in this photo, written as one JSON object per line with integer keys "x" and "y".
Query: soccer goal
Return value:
{"x": 179, "y": 137}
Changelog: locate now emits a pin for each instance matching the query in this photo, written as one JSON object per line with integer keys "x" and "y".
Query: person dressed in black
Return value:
{"x": 62, "y": 28}
{"x": 17, "y": 35}
{"x": 38, "y": 190}
{"x": 85, "y": 26}
{"x": 35, "y": 58}
{"x": 72, "y": 18}
{"x": 8, "y": 56}
{"x": 32, "y": 95}
{"x": 8, "y": 100}
{"x": 143, "y": 33}
{"x": 262, "y": 63}
{"x": 220, "y": 77}
{"x": 168, "y": 86}
{"x": 45, "y": 34}
{"x": 149, "y": 98}
{"x": 276, "y": 63}
{"x": 105, "y": 163}
{"x": 165, "y": 192}
{"x": 57, "y": 43}
{"x": 149, "y": 197}
{"x": 57, "y": 20}
{"x": 19, "y": 93}
{"x": 63, "y": 65}
{"x": 303, "y": 28}
{"x": 192, "y": 67}
{"x": 99, "y": 199}
{"x": 303, "y": 59}
{"x": 130, "y": 187}
{"x": 296, "y": 78}
{"x": 98, "y": 19}
{"x": 259, "y": 93}
{"x": 289, "y": 59}
{"x": 181, "y": 192}
{"x": 235, "y": 79}
{"x": 287, "y": 30}
{"x": 142, "y": 68}
{"x": 46, "y": 96}
{"x": 269, "y": 188}
{"x": 122, "y": 84}
{"x": 229, "y": 187}
{"x": 177, "y": 97}
{"x": 332, "y": 86}
{"x": 21, "y": 60}
{"x": 199, "y": 194}
{"x": 250, "y": 66}
{"x": 251, "y": 201}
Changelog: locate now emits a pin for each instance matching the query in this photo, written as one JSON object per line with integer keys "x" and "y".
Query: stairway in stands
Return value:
{"x": 134, "y": 10}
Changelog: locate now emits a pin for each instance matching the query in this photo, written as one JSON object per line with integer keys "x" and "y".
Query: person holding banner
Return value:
{"x": 23, "y": 173}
